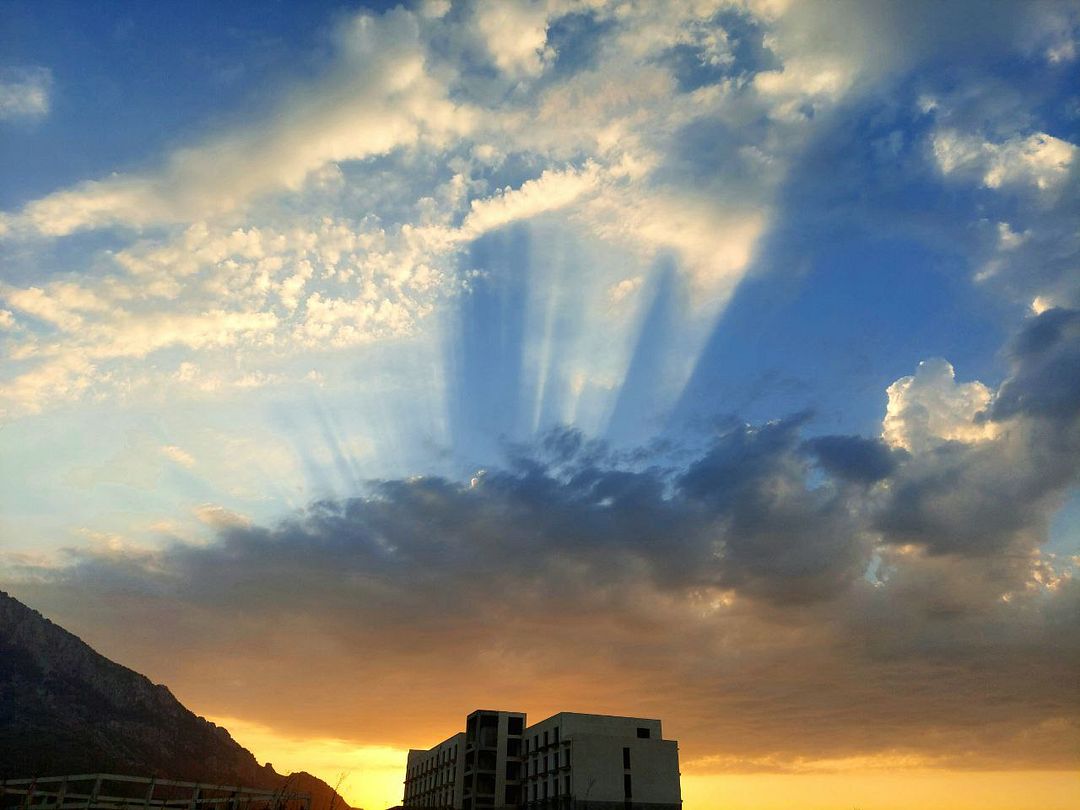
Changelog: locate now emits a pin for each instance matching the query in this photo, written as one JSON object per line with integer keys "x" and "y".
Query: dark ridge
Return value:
{"x": 65, "y": 709}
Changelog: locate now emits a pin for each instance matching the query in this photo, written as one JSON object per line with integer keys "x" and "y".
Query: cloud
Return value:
{"x": 1046, "y": 378}
{"x": 25, "y": 93}
{"x": 930, "y": 408}
{"x": 854, "y": 458}
{"x": 548, "y": 192}
{"x": 261, "y": 237}
{"x": 377, "y": 99}
{"x": 1038, "y": 160}
{"x": 774, "y": 580}
{"x": 209, "y": 288}
{"x": 775, "y": 596}
{"x": 515, "y": 34}
{"x": 179, "y": 455}
{"x": 988, "y": 468}
{"x": 57, "y": 379}
{"x": 218, "y": 517}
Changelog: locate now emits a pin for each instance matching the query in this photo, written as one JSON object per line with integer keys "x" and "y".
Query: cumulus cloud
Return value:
{"x": 930, "y": 407}
{"x": 1010, "y": 454}
{"x": 25, "y": 93}
{"x": 515, "y": 34}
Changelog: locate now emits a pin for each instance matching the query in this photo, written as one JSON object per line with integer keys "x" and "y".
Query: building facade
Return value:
{"x": 569, "y": 761}
{"x": 479, "y": 767}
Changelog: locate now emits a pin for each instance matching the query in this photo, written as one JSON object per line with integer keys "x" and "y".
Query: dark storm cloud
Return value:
{"x": 1046, "y": 379}
{"x": 874, "y": 600}
{"x": 777, "y": 538}
{"x": 854, "y": 458}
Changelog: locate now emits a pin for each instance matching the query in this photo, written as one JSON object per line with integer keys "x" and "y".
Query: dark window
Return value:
{"x": 626, "y": 758}
{"x": 545, "y": 739}
{"x": 513, "y": 794}
{"x": 643, "y": 733}
{"x": 513, "y": 770}
{"x": 545, "y": 764}
{"x": 513, "y": 748}
{"x": 566, "y": 784}
{"x": 627, "y": 790}
{"x": 526, "y": 746}
{"x": 514, "y": 725}
{"x": 556, "y": 733}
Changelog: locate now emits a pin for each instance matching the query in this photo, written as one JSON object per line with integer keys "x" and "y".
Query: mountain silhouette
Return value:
{"x": 66, "y": 709}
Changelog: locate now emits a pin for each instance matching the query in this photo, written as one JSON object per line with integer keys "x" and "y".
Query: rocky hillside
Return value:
{"x": 65, "y": 709}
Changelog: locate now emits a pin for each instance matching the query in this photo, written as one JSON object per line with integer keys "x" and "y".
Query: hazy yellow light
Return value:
{"x": 373, "y": 780}
{"x": 915, "y": 789}
{"x": 371, "y": 775}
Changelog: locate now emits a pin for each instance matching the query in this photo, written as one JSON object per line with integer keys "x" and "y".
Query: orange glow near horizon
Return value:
{"x": 914, "y": 789}
{"x": 371, "y": 778}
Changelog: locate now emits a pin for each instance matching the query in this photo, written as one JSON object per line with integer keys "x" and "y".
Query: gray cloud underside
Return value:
{"x": 776, "y": 597}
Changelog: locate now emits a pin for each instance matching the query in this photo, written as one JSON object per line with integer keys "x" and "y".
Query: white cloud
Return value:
{"x": 61, "y": 304}
{"x": 25, "y": 93}
{"x": 931, "y": 407}
{"x": 1041, "y": 303}
{"x": 715, "y": 243}
{"x": 56, "y": 379}
{"x": 1008, "y": 239}
{"x": 550, "y": 191}
{"x": 1038, "y": 160}
{"x": 178, "y": 455}
{"x": 515, "y": 34}
{"x": 1062, "y": 52}
{"x": 218, "y": 517}
{"x": 619, "y": 292}
{"x": 275, "y": 249}
{"x": 378, "y": 98}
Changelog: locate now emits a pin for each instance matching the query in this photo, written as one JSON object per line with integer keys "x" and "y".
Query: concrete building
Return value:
{"x": 480, "y": 767}
{"x": 436, "y": 778}
{"x": 569, "y": 761}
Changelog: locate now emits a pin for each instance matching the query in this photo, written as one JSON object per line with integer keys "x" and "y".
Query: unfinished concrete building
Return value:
{"x": 569, "y": 761}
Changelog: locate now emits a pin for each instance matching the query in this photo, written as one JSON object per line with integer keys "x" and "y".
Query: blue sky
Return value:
{"x": 257, "y": 257}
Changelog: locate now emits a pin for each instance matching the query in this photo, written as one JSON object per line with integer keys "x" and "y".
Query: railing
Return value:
{"x": 106, "y": 791}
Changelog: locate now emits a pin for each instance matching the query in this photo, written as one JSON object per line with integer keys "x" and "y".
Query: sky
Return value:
{"x": 362, "y": 365}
